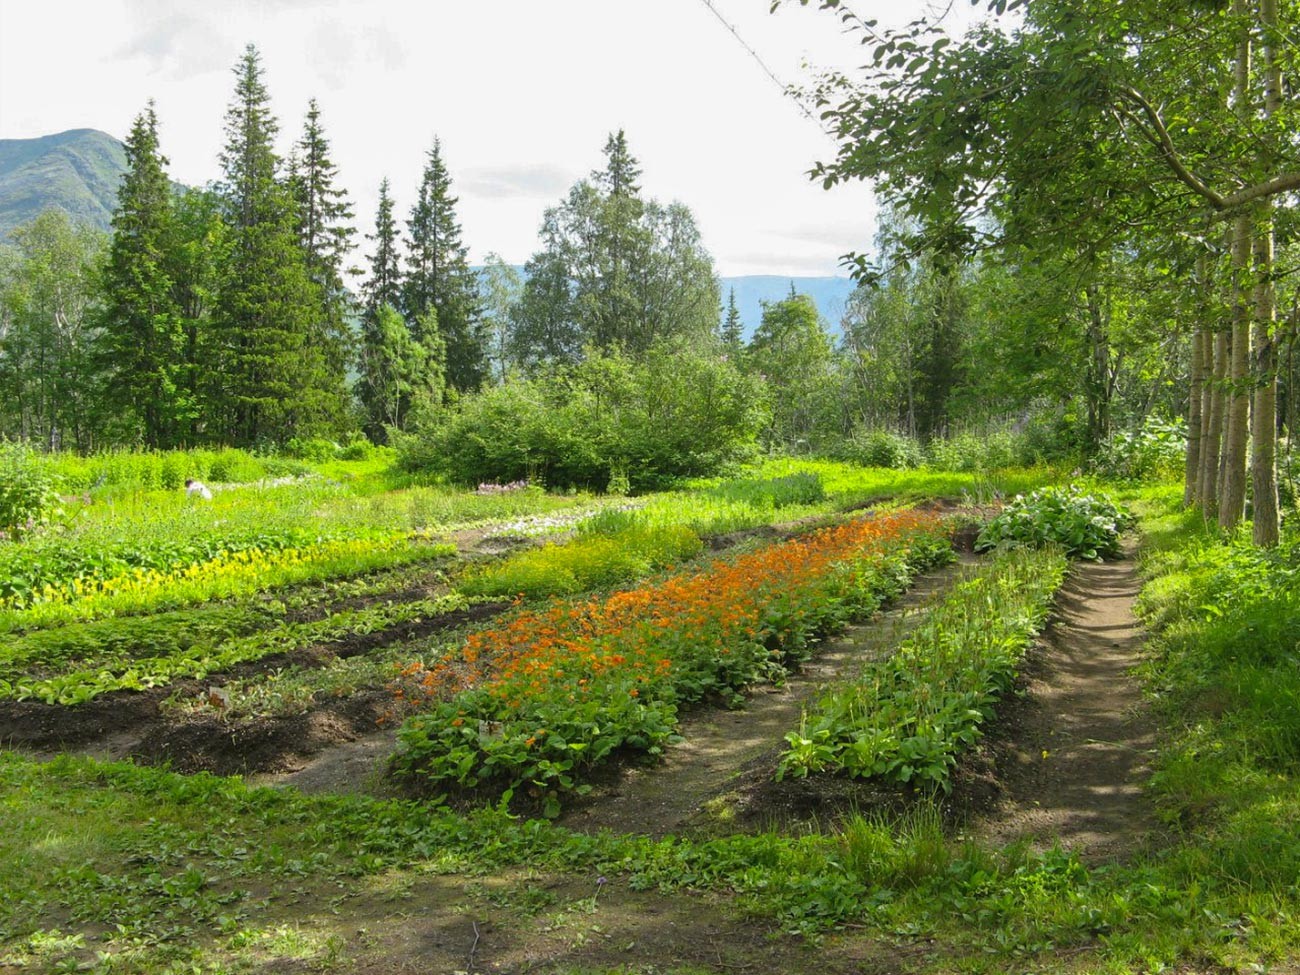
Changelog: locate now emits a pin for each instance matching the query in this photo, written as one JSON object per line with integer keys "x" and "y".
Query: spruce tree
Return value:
{"x": 275, "y": 378}
{"x": 142, "y": 349}
{"x": 325, "y": 232}
{"x": 384, "y": 286}
{"x": 439, "y": 277}
{"x": 732, "y": 332}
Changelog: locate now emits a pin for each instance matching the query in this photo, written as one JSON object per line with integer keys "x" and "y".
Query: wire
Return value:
{"x": 785, "y": 89}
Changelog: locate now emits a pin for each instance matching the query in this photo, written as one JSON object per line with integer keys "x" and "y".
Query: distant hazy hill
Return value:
{"x": 77, "y": 171}
{"x": 829, "y": 294}
{"x": 752, "y": 290}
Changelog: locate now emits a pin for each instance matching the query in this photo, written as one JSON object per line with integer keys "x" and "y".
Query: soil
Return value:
{"x": 1074, "y": 750}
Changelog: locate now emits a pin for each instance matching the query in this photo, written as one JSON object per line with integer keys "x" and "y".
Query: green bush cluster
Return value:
{"x": 976, "y": 453}
{"x": 881, "y": 448}
{"x": 642, "y": 423}
{"x": 29, "y": 491}
{"x": 1155, "y": 451}
{"x": 803, "y": 487}
{"x": 169, "y": 469}
{"x": 1086, "y": 525}
{"x": 907, "y": 718}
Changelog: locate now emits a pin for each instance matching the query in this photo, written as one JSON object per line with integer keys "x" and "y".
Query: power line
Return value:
{"x": 785, "y": 89}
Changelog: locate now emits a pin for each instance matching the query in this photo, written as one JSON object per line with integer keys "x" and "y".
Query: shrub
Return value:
{"x": 1155, "y": 451}
{"x": 316, "y": 449}
{"x": 775, "y": 492}
{"x": 971, "y": 452}
{"x": 1085, "y": 525}
{"x": 29, "y": 496}
{"x": 882, "y": 448}
{"x": 668, "y": 415}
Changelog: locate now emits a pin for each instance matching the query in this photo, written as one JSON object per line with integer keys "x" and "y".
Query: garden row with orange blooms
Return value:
{"x": 539, "y": 701}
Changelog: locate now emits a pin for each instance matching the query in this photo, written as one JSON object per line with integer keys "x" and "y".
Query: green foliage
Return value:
{"x": 29, "y": 492}
{"x": 593, "y": 561}
{"x": 1087, "y": 526}
{"x": 312, "y": 448}
{"x": 667, "y": 415}
{"x": 615, "y": 271}
{"x": 125, "y": 472}
{"x": 804, "y": 487}
{"x": 1155, "y": 451}
{"x": 881, "y": 448}
{"x": 969, "y": 452}
{"x": 907, "y": 718}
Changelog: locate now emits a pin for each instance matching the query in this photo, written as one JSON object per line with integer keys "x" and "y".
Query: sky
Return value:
{"x": 522, "y": 94}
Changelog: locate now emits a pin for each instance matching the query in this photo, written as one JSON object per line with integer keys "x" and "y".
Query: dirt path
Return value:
{"x": 720, "y": 746}
{"x": 1074, "y": 760}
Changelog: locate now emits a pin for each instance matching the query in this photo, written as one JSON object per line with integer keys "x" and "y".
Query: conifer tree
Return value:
{"x": 384, "y": 286}
{"x": 439, "y": 277}
{"x": 275, "y": 378}
{"x": 325, "y": 232}
{"x": 732, "y": 332}
{"x": 142, "y": 348}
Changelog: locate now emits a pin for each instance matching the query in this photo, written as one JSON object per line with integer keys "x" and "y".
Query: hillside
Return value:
{"x": 77, "y": 171}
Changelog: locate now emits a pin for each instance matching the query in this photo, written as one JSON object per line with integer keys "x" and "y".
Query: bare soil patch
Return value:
{"x": 1074, "y": 751}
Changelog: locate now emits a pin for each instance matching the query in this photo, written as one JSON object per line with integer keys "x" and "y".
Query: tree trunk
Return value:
{"x": 1232, "y": 485}
{"x": 1097, "y": 382}
{"x": 1263, "y": 414}
{"x": 1212, "y": 440}
{"x": 1196, "y": 383}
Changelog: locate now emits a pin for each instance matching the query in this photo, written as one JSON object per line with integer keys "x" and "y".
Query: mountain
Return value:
{"x": 830, "y": 294}
{"x": 77, "y": 171}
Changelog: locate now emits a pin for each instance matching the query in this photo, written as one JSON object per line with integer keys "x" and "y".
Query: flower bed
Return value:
{"x": 907, "y": 717}
{"x": 544, "y": 698}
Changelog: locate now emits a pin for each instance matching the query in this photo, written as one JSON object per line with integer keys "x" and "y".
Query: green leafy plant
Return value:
{"x": 29, "y": 495}
{"x": 907, "y": 718}
{"x": 1087, "y": 526}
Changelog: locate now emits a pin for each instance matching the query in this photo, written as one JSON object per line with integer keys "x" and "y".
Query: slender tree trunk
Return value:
{"x": 1232, "y": 487}
{"x": 1263, "y": 417}
{"x": 1212, "y": 441}
{"x": 1097, "y": 385}
{"x": 1192, "y": 470}
{"x": 1263, "y": 413}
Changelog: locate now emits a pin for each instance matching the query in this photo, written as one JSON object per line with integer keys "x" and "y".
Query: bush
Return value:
{"x": 972, "y": 453}
{"x": 669, "y": 415}
{"x": 1156, "y": 451}
{"x": 776, "y": 492}
{"x": 882, "y": 448}
{"x": 1085, "y": 525}
{"x": 315, "y": 449}
{"x": 29, "y": 491}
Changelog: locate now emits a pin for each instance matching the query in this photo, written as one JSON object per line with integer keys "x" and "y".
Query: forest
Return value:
{"x": 236, "y": 315}
{"x": 555, "y": 621}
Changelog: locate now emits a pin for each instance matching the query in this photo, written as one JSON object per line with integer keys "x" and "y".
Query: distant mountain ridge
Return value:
{"x": 829, "y": 294}
{"x": 77, "y": 171}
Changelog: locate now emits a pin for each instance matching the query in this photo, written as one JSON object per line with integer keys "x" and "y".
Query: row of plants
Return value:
{"x": 227, "y": 575}
{"x": 168, "y": 652}
{"x": 906, "y": 718}
{"x": 541, "y": 700}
